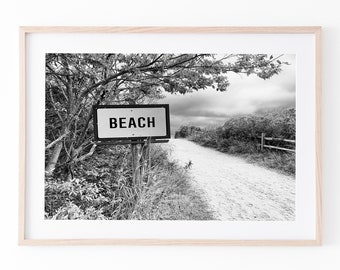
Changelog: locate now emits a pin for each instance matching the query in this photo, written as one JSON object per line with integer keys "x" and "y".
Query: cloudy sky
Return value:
{"x": 245, "y": 95}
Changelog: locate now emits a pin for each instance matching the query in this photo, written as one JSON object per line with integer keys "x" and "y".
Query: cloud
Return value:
{"x": 246, "y": 94}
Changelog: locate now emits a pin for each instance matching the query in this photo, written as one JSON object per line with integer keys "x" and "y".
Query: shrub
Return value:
{"x": 185, "y": 131}
{"x": 101, "y": 186}
{"x": 72, "y": 211}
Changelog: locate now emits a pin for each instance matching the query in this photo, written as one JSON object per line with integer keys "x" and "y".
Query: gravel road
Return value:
{"x": 234, "y": 188}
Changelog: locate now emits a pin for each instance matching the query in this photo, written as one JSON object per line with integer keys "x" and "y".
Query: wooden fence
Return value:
{"x": 264, "y": 145}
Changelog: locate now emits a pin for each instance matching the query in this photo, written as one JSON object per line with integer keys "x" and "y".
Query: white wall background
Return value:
{"x": 169, "y": 13}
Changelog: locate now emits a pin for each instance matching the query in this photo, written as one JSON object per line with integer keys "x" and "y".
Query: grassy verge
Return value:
{"x": 171, "y": 196}
{"x": 280, "y": 162}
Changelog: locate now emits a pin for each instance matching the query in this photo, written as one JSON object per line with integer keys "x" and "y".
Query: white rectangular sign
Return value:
{"x": 131, "y": 121}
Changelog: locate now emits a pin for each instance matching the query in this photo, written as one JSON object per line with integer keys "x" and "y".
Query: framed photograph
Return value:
{"x": 170, "y": 136}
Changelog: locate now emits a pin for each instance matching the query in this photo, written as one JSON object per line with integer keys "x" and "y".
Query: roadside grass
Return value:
{"x": 280, "y": 162}
{"x": 170, "y": 196}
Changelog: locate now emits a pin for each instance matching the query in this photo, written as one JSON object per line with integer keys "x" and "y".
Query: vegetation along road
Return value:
{"x": 234, "y": 188}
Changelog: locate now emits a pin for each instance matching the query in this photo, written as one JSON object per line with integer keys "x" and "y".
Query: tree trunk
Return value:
{"x": 54, "y": 157}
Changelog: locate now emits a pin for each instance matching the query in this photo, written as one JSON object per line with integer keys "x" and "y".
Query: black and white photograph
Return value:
{"x": 143, "y": 136}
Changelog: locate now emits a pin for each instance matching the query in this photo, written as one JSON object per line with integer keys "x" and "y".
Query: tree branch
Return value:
{"x": 55, "y": 141}
{"x": 114, "y": 76}
{"x": 54, "y": 107}
{"x": 182, "y": 62}
{"x": 57, "y": 75}
{"x": 90, "y": 153}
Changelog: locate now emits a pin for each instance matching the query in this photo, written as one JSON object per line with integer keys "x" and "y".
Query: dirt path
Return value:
{"x": 235, "y": 189}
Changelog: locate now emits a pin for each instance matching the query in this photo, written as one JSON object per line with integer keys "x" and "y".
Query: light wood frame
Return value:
{"x": 23, "y": 31}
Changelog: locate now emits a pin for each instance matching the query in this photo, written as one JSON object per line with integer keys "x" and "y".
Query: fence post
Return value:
{"x": 262, "y": 141}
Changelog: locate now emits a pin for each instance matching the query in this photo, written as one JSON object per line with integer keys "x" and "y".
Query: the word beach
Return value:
{"x": 140, "y": 122}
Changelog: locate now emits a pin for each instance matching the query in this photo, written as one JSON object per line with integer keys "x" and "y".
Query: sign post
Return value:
{"x": 134, "y": 125}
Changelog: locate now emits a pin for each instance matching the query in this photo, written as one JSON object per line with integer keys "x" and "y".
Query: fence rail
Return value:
{"x": 279, "y": 139}
{"x": 264, "y": 145}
